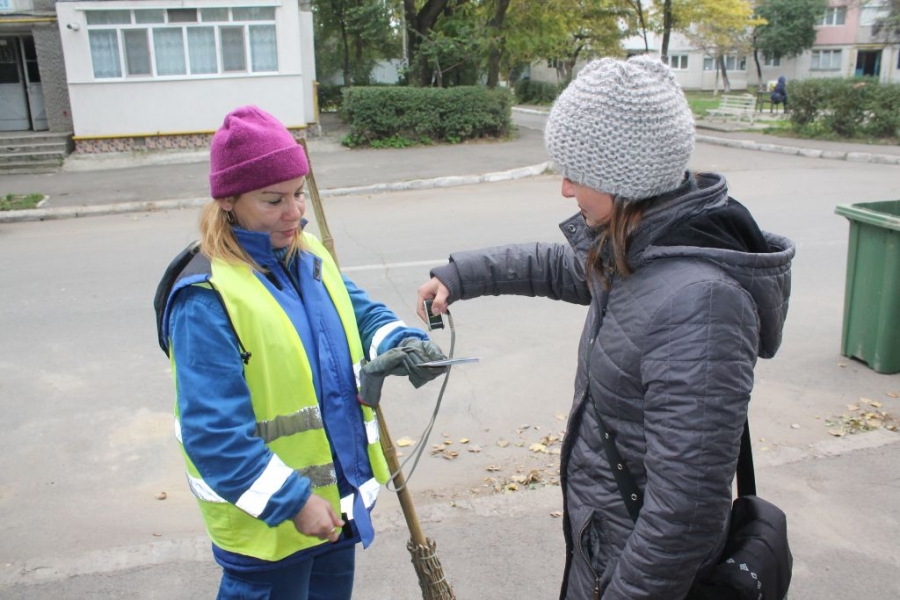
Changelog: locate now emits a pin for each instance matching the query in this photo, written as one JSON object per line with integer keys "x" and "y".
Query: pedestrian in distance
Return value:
{"x": 685, "y": 292}
{"x": 779, "y": 94}
{"x": 266, "y": 340}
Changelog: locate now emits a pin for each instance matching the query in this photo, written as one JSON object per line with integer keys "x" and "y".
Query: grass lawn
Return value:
{"x": 700, "y": 102}
{"x": 19, "y": 201}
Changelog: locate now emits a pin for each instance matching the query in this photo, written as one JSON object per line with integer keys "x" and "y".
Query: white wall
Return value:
{"x": 308, "y": 68}
{"x": 148, "y": 106}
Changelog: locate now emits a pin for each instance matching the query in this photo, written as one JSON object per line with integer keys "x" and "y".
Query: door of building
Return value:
{"x": 868, "y": 63}
{"x": 21, "y": 93}
{"x": 33, "y": 84}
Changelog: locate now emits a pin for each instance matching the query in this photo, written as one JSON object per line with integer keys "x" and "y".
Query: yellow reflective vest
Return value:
{"x": 288, "y": 415}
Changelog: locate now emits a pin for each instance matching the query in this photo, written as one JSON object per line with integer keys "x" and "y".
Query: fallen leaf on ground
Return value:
{"x": 463, "y": 440}
{"x": 537, "y": 447}
{"x": 795, "y": 425}
{"x": 405, "y": 441}
{"x": 852, "y": 407}
{"x": 561, "y": 416}
{"x": 474, "y": 449}
{"x": 556, "y": 514}
{"x": 502, "y": 443}
{"x": 492, "y": 468}
{"x": 892, "y": 394}
{"x": 162, "y": 496}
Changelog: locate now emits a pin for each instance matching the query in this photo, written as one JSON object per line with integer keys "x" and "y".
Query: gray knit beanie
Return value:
{"x": 623, "y": 128}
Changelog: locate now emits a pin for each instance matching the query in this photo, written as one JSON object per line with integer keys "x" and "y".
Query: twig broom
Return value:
{"x": 425, "y": 561}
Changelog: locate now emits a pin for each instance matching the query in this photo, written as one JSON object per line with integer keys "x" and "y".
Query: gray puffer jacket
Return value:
{"x": 667, "y": 359}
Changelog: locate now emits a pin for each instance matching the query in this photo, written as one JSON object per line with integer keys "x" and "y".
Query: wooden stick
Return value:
{"x": 387, "y": 445}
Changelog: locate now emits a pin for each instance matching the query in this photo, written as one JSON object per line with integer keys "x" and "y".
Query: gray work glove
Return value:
{"x": 404, "y": 359}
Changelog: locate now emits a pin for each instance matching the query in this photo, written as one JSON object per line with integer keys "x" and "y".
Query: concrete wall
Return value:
{"x": 53, "y": 77}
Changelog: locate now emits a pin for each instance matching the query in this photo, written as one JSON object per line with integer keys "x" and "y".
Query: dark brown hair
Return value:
{"x": 610, "y": 255}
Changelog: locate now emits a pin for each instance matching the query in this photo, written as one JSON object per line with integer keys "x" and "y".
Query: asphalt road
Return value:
{"x": 86, "y": 396}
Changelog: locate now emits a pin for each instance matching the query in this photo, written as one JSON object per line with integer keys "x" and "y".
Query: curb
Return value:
{"x": 869, "y": 157}
{"x": 74, "y": 212}
{"x": 48, "y": 214}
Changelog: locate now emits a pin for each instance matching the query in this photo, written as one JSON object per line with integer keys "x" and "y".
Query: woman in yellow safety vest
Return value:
{"x": 266, "y": 340}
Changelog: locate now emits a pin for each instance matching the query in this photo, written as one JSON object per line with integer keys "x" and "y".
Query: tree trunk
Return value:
{"x": 418, "y": 26}
{"x": 726, "y": 85}
{"x": 667, "y": 29}
{"x": 345, "y": 43}
{"x": 759, "y": 81}
{"x": 496, "y": 52}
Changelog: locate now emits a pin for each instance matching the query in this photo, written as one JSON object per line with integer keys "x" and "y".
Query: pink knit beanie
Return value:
{"x": 252, "y": 150}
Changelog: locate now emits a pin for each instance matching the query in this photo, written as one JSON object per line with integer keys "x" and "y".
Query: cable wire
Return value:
{"x": 426, "y": 433}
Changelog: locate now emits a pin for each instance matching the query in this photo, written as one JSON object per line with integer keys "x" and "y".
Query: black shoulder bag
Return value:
{"x": 757, "y": 561}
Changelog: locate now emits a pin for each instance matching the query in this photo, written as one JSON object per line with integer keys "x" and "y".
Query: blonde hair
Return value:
{"x": 217, "y": 239}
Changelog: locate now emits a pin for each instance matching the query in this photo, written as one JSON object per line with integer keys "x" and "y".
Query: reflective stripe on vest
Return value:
{"x": 288, "y": 416}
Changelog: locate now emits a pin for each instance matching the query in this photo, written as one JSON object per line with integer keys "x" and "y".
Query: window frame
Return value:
{"x": 832, "y": 15}
{"x": 253, "y": 64}
{"x": 815, "y": 63}
{"x": 681, "y": 59}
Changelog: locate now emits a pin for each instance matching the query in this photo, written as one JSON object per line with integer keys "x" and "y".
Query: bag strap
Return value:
{"x": 628, "y": 489}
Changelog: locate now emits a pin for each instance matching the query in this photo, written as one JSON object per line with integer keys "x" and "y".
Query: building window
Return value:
{"x": 678, "y": 62}
{"x": 872, "y": 13}
{"x": 771, "y": 61}
{"x": 732, "y": 63}
{"x": 834, "y": 16}
{"x": 826, "y": 60}
{"x": 182, "y": 42}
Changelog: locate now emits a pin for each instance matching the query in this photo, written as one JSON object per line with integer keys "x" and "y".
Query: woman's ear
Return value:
{"x": 226, "y": 204}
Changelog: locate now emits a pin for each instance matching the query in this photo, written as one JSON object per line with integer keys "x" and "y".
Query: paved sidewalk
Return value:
{"x": 110, "y": 184}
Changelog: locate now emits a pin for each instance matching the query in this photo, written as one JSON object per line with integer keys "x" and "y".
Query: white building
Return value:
{"x": 162, "y": 73}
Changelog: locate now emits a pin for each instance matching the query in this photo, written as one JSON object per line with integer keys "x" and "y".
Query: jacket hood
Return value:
{"x": 699, "y": 220}
{"x": 707, "y": 224}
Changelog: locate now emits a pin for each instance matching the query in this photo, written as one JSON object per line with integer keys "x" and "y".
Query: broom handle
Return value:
{"x": 327, "y": 240}
{"x": 387, "y": 445}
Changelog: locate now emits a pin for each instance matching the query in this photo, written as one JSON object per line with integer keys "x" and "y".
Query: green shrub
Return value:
{"x": 329, "y": 96}
{"x": 394, "y": 115}
{"x": 885, "y": 119}
{"x": 536, "y": 92}
{"x": 846, "y": 108}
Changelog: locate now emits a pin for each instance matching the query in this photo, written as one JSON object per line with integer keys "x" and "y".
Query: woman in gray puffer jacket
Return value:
{"x": 685, "y": 292}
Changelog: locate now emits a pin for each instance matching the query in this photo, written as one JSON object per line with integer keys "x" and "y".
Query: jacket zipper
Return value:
{"x": 290, "y": 278}
{"x": 587, "y": 561}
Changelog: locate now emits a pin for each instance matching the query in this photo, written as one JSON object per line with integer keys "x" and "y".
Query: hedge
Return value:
{"x": 397, "y": 116}
{"x": 849, "y": 108}
{"x": 536, "y": 92}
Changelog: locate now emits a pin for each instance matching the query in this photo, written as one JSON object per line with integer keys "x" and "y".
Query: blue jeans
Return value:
{"x": 326, "y": 577}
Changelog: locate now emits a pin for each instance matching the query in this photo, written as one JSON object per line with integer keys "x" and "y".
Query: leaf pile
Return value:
{"x": 862, "y": 416}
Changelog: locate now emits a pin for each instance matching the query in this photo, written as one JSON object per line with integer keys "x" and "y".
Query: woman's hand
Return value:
{"x": 435, "y": 290}
{"x": 318, "y": 519}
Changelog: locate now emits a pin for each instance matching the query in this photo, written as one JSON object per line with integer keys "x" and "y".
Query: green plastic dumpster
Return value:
{"x": 872, "y": 294}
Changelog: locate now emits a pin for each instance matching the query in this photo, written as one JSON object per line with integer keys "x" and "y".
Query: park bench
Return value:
{"x": 735, "y": 105}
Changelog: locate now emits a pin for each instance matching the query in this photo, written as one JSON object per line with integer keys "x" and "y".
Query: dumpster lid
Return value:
{"x": 882, "y": 214}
